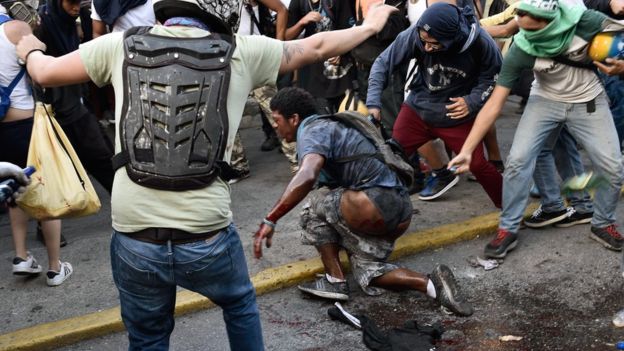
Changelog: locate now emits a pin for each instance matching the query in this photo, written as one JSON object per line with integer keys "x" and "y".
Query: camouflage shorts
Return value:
{"x": 322, "y": 223}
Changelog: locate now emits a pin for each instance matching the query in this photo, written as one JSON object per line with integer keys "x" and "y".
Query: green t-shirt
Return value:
{"x": 255, "y": 63}
{"x": 554, "y": 80}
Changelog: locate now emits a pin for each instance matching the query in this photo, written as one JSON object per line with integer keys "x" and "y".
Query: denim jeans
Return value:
{"x": 147, "y": 275}
{"x": 560, "y": 154}
{"x": 614, "y": 86}
{"x": 595, "y": 131}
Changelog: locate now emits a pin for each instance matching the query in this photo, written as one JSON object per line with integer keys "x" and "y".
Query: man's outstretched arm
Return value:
{"x": 49, "y": 71}
{"x": 321, "y": 46}
{"x": 298, "y": 188}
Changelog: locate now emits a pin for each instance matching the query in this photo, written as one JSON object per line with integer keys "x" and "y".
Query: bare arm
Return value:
{"x": 294, "y": 31}
{"x": 298, "y": 188}
{"x": 49, "y": 71}
{"x": 99, "y": 28}
{"x": 482, "y": 124}
{"x": 282, "y": 17}
{"x": 321, "y": 46}
{"x": 15, "y": 30}
{"x": 503, "y": 30}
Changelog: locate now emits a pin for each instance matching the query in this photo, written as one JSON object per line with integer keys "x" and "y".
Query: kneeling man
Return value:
{"x": 360, "y": 205}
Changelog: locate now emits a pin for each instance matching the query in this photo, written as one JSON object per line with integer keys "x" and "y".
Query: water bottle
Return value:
{"x": 9, "y": 186}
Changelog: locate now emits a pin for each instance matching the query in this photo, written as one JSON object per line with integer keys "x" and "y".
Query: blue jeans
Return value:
{"x": 596, "y": 132}
{"x": 614, "y": 87}
{"x": 147, "y": 275}
{"x": 560, "y": 150}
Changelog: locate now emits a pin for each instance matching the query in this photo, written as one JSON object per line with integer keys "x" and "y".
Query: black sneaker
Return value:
{"x": 575, "y": 218}
{"x": 504, "y": 242}
{"x": 321, "y": 287}
{"x": 447, "y": 291}
{"x": 540, "y": 218}
{"x": 437, "y": 185}
{"x": 608, "y": 236}
{"x": 270, "y": 143}
{"x": 41, "y": 238}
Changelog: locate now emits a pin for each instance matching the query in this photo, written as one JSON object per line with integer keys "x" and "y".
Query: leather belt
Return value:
{"x": 162, "y": 235}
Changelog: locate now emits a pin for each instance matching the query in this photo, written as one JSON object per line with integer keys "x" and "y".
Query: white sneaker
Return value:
{"x": 57, "y": 278}
{"x": 26, "y": 266}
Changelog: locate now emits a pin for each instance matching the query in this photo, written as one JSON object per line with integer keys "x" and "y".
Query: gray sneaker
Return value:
{"x": 447, "y": 291}
{"x": 321, "y": 287}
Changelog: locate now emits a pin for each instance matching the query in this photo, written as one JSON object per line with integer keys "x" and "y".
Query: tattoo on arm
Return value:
{"x": 290, "y": 50}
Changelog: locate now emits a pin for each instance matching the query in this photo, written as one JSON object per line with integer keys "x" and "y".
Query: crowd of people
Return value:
{"x": 177, "y": 74}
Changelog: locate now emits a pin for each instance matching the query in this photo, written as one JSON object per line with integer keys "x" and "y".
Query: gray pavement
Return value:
{"x": 30, "y": 302}
{"x": 558, "y": 291}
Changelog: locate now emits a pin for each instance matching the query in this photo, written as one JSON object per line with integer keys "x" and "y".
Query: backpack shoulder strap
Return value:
{"x": 16, "y": 80}
{"x": 4, "y": 19}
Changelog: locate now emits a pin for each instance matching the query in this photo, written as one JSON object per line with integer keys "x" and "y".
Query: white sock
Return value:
{"x": 431, "y": 291}
{"x": 333, "y": 280}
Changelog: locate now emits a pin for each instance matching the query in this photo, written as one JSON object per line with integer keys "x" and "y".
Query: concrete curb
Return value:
{"x": 69, "y": 331}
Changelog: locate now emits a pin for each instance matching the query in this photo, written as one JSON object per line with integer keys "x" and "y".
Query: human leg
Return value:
{"x": 541, "y": 116}
{"x": 239, "y": 161}
{"x": 93, "y": 147}
{"x": 411, "y": 132}
{"x": 485, "y": 172}
{"x": 596, "y": 131}
{"x": 143, "y": 275}
{"x": 216, "y": 268}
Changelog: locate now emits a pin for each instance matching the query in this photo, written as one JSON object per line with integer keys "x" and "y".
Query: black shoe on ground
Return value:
{"x": 321, "y": 287}
{"x": 41, "y": 238}
{"x": 438, "y": 184}
{"x": 447, "y": 291}
{"x": 504, "y": 242}
{"x": 540, "y": 218}
{"x": 575, "y": 218}
{"x": 270, "y": 143}
{"x": 608, "y": 236}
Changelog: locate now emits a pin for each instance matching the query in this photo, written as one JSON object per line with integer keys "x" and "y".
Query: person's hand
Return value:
{"x": 311, "y": 17}
{"x": 27, "y": 44}
{"x": 612, "y": 67}
{"x": 378, "y": 16}
{"x": 458, "y": 109}
{"x": 461, "y": 162}
{"x": 617, "y": 7}
{"x": 375, "y": 112}
{"x": 264, "y": 232}
{"x": 9, "y": 170}
{"x": 334, "y": 60}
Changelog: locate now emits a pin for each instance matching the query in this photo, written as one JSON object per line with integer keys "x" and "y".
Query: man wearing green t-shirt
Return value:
{"x": 172, "y": 220}
{"x": 553, "y": 42}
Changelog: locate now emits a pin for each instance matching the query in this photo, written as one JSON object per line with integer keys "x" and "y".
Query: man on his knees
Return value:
{"x": 361, "y": 205}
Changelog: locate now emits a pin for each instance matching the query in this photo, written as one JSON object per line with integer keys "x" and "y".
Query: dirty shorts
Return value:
{"x": 322, "y": 223}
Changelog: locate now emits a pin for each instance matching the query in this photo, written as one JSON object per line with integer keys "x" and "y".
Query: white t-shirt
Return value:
{"x": 246, "y": 25}
{"x": 142, "y": 15}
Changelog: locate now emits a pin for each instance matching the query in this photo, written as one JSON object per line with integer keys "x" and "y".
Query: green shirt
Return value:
{"x": 557, "y": 81}
{"x": 255, "y": 63}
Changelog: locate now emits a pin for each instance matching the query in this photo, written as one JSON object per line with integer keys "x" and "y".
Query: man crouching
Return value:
{"x": 360, "y": 205}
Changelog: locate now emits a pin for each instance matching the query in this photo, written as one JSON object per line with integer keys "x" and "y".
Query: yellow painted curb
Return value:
{"x": 72, "y": 330}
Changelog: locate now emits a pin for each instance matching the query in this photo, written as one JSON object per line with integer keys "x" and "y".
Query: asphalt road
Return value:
{"x": 558, "y": 290}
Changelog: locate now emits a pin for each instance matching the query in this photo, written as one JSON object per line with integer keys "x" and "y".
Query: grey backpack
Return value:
{"x": 388, "y": 150}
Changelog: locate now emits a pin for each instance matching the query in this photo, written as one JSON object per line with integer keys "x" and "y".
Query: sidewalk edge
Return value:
{"x": 72, "y": 330}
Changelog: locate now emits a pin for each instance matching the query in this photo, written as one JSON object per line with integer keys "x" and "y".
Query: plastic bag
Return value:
{"x": 60, "y": 188}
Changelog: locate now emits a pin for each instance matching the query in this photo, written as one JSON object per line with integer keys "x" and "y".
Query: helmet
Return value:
{"x": 222, "y": 16}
